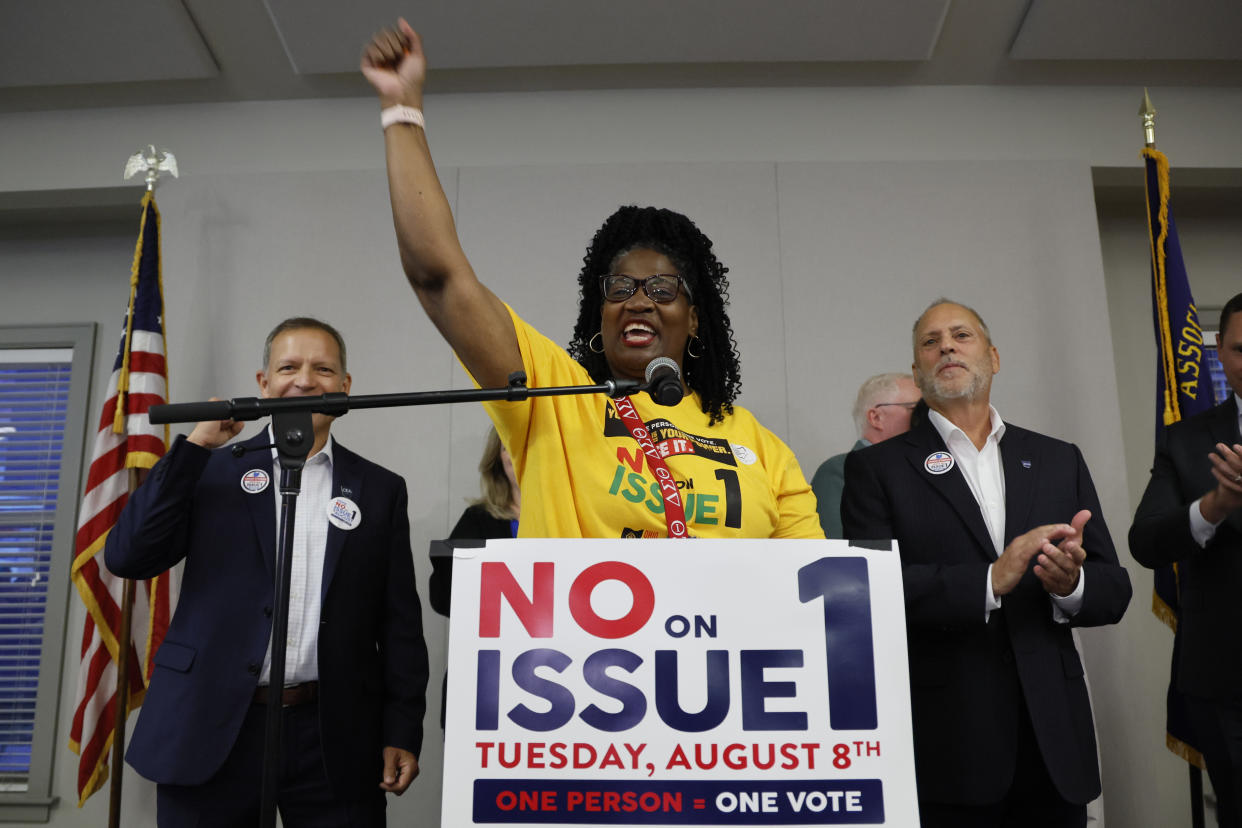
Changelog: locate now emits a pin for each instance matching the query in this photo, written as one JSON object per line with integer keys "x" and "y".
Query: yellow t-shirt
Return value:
{"x": 583, "y": 475}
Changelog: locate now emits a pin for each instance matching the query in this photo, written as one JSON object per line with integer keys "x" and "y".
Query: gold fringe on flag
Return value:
{"x": 1172, "y": 411}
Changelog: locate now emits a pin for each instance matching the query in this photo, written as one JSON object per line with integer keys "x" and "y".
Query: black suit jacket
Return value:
{"x": 476, "y": 523}
{"x": 969, "y": 678}
{"x": 1209, "y": 578}
{"x": 372, "y": 658}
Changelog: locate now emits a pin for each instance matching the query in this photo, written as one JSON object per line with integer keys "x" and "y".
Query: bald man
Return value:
{"x": 1003, "y": 551}
{"x": 882, "y": 409}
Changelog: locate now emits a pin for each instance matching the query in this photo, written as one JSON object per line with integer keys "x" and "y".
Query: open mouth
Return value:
{"x": 638, "y": 335}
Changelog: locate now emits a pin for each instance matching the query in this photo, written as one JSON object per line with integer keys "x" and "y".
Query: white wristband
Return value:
{"x": 402, "y": 115}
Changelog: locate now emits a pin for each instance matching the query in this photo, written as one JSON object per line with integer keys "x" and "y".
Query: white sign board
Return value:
{"x": 659, "y": 682}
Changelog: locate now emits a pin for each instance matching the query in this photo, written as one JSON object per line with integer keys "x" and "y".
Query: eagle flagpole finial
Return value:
{"x": 152, "y": 161}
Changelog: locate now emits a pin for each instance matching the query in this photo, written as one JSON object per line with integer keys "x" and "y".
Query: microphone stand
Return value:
{"x": 294, "y": 434}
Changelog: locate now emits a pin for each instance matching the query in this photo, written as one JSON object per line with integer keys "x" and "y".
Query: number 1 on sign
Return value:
{"x": 844, "y": 585}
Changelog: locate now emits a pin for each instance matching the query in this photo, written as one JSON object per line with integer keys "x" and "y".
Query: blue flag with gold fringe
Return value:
{"x": 1183, "y": 388}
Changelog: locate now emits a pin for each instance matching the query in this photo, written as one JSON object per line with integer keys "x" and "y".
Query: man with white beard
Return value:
{"x": 1003, "y": 550}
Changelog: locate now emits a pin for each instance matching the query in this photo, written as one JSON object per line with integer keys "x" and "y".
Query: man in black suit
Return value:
{"x": 1191, "y": 515}
{"x": 356, "y": 670}
{"x": 1003, "y": 550}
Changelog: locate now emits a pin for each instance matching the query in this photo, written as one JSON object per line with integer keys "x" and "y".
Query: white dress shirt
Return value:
{"x": 986, "y": 478}
{"x": 1200, "y": 529}
{"x": 310, "y": 541}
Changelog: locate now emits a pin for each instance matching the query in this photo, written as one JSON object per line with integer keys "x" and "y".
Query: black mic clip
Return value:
{"x": 241, "y": 448}
{"x": 622, "y": 387}
{"x": 516, "y": 386}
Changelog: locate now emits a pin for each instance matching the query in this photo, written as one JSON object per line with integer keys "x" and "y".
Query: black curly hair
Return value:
{"x": 716, "y": 375}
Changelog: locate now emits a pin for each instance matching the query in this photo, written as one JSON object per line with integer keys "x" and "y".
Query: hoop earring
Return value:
{"x": 690, "y": 351}
{"x": 591, "y": 343}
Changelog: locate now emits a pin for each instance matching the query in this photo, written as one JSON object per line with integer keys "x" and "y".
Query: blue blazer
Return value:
{"x": 372, "y": 657}
{"x": 968, "y": 678}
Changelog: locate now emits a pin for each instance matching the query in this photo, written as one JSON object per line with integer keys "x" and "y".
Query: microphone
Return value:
{"x": 664, "y": 381}
{"x": 193, "y": 412}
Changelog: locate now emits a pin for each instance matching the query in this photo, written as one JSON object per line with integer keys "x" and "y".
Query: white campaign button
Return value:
{"x": 743, "y": 454}
{"x": 938, "y": 462}
{"x": 343, "y": 513}
{"x": 255, "y": 481}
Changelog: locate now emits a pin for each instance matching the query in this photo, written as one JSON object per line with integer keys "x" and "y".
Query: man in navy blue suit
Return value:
{"x": 356, "y": 669}
{"x": 1003, "y": 550}
{"x": 1191, "y": 515}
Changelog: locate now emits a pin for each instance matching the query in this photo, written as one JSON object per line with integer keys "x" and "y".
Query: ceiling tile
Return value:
{"x": 1130, "y": 30}
{"x": 325, "y": 36}
{"x": 54, "y": 42}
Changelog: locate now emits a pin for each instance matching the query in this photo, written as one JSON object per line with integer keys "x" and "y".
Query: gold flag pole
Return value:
{"x": 1148, "y": 113}
{"x": 153, "y": 163}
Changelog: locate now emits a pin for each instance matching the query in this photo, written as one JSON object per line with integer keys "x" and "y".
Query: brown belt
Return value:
{"x": 292, "y": 696}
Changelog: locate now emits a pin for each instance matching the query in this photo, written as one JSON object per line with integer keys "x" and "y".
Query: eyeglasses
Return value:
{"x": 908, "y": 406}
{"x": 662, "y": 287}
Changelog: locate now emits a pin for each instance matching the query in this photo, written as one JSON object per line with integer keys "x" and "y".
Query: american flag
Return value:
{"x": 125, "y": 440}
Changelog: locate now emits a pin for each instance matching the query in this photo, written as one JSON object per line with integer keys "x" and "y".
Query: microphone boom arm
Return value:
{"x": 337, "y": 404}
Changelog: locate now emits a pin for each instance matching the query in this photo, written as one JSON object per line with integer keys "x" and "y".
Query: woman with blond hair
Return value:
{"x": 492, "y": 515}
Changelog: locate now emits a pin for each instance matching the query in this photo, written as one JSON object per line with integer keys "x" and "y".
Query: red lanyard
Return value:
{"x": 674, "y": 512}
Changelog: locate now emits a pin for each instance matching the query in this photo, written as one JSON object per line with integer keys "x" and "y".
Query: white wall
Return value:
{"x": 841, "y": 212}
{"x": 1098, "y": 125}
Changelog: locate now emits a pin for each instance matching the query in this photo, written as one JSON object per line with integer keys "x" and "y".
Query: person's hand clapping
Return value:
{"x": 395, "y": 65}
{"x": 1058, "y": 567}
{"x": 1217, "y": 504}
{"x": 1013, "y": 563}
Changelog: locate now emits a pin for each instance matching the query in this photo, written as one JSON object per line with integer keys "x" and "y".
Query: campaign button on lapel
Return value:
{"x": 255, "y": 481}
{"x": 938, "y": 462}
{"x": 343, "y": 513}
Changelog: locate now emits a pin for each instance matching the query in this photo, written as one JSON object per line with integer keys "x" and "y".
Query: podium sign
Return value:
{"x": 656, "y": 682}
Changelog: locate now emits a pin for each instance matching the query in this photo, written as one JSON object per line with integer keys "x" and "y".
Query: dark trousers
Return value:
{"x": 230, "y": 798}
{"x": 1218, "y": 729}
{"x": 1033, "y": 801}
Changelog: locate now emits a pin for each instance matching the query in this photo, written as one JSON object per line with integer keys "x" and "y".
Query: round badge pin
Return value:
{"x": 343, "y": 513}
{"x": 938, "y": 462}
{"x": 744, "y": 455}
{"x": 255, "y": 481}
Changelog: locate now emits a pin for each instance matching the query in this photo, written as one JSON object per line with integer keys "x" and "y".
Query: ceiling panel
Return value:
{"x": 1131, "y": 30}
{"x": 52, "y": 42}
{"x": 324, "y": 36}
{"x": 63, "y": 54}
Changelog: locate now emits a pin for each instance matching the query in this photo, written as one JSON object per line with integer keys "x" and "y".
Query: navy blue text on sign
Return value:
{"x": 841, "y": 582}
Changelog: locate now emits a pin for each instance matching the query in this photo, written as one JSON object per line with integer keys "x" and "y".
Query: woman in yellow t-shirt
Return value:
{"x": 650, "y": 287}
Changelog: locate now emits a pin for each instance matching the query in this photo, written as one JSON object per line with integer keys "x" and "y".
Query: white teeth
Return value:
{"x": 636, "y": 326}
